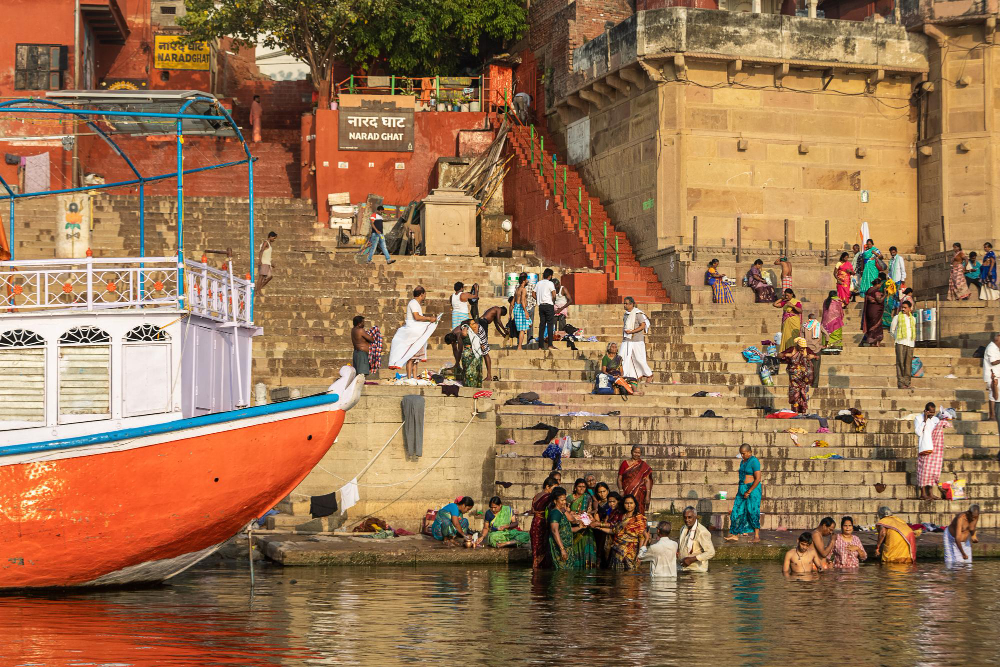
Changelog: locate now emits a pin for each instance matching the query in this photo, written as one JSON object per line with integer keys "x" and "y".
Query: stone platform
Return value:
{"x": 299, "y": 550}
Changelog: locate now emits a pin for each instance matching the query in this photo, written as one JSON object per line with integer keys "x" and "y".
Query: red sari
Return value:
{"x": 634, "y": 481}
{"x": 539, "y": 532}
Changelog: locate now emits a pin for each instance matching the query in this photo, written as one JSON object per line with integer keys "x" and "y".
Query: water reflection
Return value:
{"x": 740, "y": 613}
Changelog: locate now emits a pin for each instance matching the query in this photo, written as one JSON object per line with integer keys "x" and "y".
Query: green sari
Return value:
{"x": 496, "y": 536}
{"x": 566, "y": 536}
{"x": 472, "y": 366}
{"x": 584, "y": 549}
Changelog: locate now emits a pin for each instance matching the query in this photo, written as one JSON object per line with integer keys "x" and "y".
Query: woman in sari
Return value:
{"x": 843, "y": 274}
{"x": 896, "y": 541}
{"x": 871, "y": 314}
{"x": 800, "y": 374}
{"x": 611, "y": 371}
{"x": 720, "y": 288}
{"x": 988, "y": 273}
{"x": 500, "y": 527}
{"x": 561, "y": 532}
{"x": 472, "y": 354}
{"x": 584, "y": 548}
{"x": 626, "y": 536}
{"x": 871, "y": 270}
{"x": 791, "y": 318}
{"x": 635, "y": 478}
{"x": 848, "y": 552}
{"x": 449, "y": 522}
{"x": 745, "y": 517}
{"x": 602, "y": 503}
{"x": 958, "y": 289}
{"x": 762, "y": 291}
{"x": 540, "y": 554}
{"x": 891, "y": 293}
{"x": 833, "y": 320}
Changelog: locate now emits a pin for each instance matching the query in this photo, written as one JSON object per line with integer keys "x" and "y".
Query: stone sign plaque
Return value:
{"x": 376, "y": 126}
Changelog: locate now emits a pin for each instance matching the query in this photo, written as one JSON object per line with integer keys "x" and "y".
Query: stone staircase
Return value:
{"x": 571, "y": 227}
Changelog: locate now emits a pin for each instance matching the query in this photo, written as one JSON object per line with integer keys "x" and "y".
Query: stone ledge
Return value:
{"x": 301, "y": 550}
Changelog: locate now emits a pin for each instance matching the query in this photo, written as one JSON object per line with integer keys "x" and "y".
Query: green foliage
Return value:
{"x": 403, "y": 37}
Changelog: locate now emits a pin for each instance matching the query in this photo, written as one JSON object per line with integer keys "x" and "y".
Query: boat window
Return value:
{"x": 22, "y": 376}
{"x": 84, "y": 374}
{"x": 147, "y": 332}
{"x": 84, "y": 336}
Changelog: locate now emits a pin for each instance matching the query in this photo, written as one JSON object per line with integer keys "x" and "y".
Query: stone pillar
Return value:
{"x": 450, "y": 223}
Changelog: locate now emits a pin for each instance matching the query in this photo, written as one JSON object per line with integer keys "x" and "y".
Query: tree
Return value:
{"x": 403, "y": 37}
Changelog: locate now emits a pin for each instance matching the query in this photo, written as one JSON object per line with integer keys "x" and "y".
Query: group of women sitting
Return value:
{"x": 587, "y": 528}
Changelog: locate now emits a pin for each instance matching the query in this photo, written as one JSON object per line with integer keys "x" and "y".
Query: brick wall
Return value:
{"x": 283, "y": 103}
{"x": 276, "y": 172}
{"x": 621, "y": 171}
{"x": 557, "y": 27}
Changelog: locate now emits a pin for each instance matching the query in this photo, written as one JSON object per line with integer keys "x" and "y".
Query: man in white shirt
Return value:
{"x": 545, "y": 295}
{"x": 633, "y": 347}
{"x": 897, "y": 268}
{"x": 904, "y": 330}
{"x": 662, "y": 556}
{"x": 695, "y": 547}
{"x": 991, "y": 375}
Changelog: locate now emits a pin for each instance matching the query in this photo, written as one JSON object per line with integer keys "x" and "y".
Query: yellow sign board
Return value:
{"x": 172, "y": 53}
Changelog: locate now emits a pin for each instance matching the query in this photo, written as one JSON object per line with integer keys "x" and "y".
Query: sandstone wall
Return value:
{"x": 959, "y": 125}
{"x": 394, "y": 488}
{"x": 764, "y": 151}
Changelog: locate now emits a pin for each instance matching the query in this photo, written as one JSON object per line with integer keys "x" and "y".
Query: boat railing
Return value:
{"x": 210, "y": 293}
{"x": 98, "y": 283}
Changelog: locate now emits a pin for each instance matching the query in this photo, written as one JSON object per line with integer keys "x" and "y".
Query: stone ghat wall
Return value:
{"x": 467, "y": 469}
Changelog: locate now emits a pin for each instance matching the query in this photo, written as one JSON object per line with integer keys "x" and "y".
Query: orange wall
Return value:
{"x": 435, "y": 134}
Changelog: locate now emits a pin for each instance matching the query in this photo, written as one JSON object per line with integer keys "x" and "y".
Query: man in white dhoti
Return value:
{"x": 633, "y": 347}
{"x": 959, "y": 536}
{"x": 409, "y": 344}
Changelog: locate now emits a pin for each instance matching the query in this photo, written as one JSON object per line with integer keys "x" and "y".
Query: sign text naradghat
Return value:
{"x": 172, "y": 53}
{"x": 376, "y": 129}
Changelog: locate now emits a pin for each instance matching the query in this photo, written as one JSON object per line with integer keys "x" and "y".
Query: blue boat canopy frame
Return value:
{"x": 140, "y": 113}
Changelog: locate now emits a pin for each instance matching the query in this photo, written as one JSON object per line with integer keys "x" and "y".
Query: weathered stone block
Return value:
{"x": 724, "y": 200}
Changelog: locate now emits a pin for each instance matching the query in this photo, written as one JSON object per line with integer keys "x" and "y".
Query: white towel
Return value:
{"x": 349, "y": 495}
{"x": 36, "y": 173}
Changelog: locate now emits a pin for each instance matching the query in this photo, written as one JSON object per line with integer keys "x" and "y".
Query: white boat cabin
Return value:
{"x": 95, "y": 345}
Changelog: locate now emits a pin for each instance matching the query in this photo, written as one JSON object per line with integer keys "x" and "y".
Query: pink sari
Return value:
{"x": 844, "y": 272}
{"x": 634, "y": 481}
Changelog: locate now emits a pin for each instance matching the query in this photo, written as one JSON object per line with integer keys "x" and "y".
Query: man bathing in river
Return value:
{"x": 959, "y": 535}
{"x": 803, "y": 559}
{"x": 823, "y": 550}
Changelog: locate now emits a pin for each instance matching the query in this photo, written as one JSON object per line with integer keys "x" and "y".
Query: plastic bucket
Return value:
{"x": 510, "y": 284}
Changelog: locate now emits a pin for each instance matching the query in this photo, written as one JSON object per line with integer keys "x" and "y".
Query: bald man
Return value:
{"x": 959, "y": 536}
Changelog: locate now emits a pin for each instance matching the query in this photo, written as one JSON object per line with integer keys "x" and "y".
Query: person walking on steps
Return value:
{"x": 904, "y": 330}
{"x": 633, "y": 347}
{"x": 378, "y": 237}
{"x": 256, "y": 115}
{"x": 991, "y": 377}
{"x": 266, "y": 266}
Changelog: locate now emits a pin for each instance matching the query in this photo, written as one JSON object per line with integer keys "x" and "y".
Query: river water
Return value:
{"x": 736, "y": 614}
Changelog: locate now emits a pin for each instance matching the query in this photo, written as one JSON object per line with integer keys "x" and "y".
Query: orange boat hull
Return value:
{"x": 146, "y": 512}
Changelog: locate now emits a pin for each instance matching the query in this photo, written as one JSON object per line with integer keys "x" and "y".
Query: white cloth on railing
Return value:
{"x": 36, "y": 172}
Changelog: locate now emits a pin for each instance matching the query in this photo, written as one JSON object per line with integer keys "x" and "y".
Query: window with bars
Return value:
{"x": 39, "y": 66}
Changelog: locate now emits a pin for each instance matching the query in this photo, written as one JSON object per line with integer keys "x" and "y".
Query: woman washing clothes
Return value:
{"x": 472, "y": 354}
{"x": 791, "y": 318}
